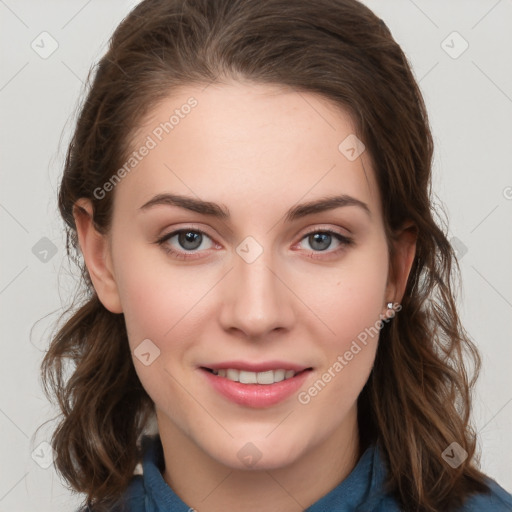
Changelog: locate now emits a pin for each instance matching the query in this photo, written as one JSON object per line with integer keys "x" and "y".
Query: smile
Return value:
{"x": 247, "y": 377}
{"x": 255, "y": 389}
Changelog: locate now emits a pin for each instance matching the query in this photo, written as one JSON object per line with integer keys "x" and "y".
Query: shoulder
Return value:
{"x": 497, "y": 500}
{"x": 132, "y": 500}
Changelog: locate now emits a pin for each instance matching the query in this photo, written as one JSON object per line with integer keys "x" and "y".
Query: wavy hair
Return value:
{"x": 417, "y": 400}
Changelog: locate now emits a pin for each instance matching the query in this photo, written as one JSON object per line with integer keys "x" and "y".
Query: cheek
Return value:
{"x": 356, "y": 297}
{"x": 160, "y": 304}
{"x": 352, "y": 312}
{"x": 159, "y": 301}
{"x": 144, "y": 305}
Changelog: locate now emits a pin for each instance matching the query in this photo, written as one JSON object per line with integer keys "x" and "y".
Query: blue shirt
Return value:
{"x": 361, "y": 491}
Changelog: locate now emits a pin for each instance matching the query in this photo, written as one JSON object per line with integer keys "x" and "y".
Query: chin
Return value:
{"x": 260, "y": 454}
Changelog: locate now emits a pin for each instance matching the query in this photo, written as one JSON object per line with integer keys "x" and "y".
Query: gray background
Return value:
{"x": 469, "y": 99}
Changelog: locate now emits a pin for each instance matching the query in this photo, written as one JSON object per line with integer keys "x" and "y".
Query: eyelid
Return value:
{"x": 326, "y": 228}
{"x": 187, "y": 227}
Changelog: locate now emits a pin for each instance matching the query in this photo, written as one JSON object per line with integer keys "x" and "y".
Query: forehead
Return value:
{"x": 247, "y": 144}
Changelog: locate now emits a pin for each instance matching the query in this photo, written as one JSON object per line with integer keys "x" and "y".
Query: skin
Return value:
{"x": 257, "y": 150}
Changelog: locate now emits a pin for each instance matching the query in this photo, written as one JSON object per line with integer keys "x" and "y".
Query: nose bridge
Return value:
{"x": 257, "y": 302}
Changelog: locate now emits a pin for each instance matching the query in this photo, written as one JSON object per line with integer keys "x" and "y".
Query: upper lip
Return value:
{"x": 257, "y": 367}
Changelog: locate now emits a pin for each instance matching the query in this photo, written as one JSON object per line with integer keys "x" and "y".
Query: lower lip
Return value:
{"x": 256, "y": 395}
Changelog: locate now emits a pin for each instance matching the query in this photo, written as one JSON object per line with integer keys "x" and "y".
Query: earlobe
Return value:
{"x": 95, "y": 248}
{"x": 400, "y": 268}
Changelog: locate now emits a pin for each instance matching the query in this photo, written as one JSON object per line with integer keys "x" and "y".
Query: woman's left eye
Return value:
{"x": 192, "y": 240}
{"x": 320, "y": 240}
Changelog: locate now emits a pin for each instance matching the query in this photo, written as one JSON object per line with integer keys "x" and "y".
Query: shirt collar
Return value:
{"x": 361, "y": 489}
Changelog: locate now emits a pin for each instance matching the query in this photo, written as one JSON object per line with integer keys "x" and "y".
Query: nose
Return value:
{"x": 257, "y": 300}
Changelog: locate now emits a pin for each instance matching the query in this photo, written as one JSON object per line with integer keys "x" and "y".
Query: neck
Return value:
{"x": 209, "y": 486}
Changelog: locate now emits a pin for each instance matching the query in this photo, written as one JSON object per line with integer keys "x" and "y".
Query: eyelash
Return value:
{"x": 344, "y": 241}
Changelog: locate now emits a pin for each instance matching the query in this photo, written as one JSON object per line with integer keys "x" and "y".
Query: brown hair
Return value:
{"x": 417, "y": 399}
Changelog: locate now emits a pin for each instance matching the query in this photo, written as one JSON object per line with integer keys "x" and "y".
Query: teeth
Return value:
{"x": 232, "y": 374}
{"x": 265, "y": 377}
{"x": 248, "y": 377}
{"x": 279, "y": 375}
{"x": 245, "y": 377}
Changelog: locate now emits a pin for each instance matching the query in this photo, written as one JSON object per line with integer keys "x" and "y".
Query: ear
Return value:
{"x": 404, "y": 245}
{"x": 96, "y": 251}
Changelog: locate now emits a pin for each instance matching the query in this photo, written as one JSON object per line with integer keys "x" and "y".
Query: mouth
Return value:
{"x": 265, "y": 377}
{"x": 256, "y": 386}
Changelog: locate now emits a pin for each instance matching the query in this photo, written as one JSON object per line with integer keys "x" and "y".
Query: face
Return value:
{"x": 256, "y": 283}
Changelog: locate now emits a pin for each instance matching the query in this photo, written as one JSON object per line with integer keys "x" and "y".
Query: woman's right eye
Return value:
{"x": 188, "y": 239}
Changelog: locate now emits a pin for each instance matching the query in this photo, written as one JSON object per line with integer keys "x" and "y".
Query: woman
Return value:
{"x": 249, "y": 186}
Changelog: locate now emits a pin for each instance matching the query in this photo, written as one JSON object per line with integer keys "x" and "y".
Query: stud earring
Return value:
{"x": 390, "y": 313}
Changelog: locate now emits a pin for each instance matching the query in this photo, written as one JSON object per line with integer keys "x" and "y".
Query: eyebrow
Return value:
{"x": 221, "y": 212}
